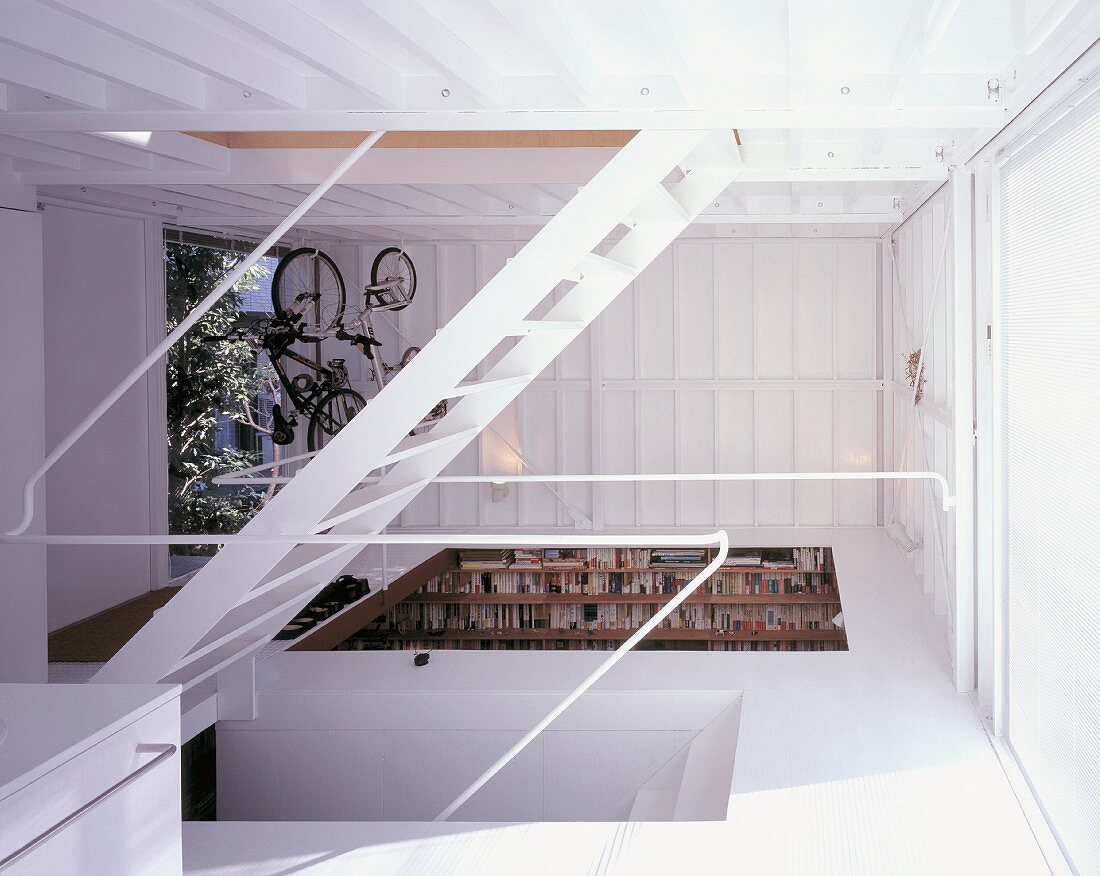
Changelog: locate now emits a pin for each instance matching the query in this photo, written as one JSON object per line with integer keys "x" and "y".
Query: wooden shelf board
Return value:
{"x": 640, "y": 598}
{"x": 615, "y": 635}
{"x": 695, "y": 569}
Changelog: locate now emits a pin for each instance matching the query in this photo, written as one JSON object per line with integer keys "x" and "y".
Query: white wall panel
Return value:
{"x": 813, "y": 428}
{"x": 694, "y": 299}
{"x": 497, "y": 458}
{"x": 655, "y": 320}
{"x": 460, "y": 502}
{"x": 618, "y": 457}
{"x": 774, "y": 421}
{"x": 489, "y": 259}
{"x": 855, "y": 299}
{"x": 22, "y": 445}
{"x": 686, "y": 363}
{"x": 96, "y": 330}
{"x": 615, "y": 336}
{"x": 575, "y": 442}
{"x": 734, "y": 433}
{"x": 921, "y": 297}
{"x": 854, "y": 451}
{"x": 733, "y": 290}
{"x": 773, "y": 288}
{"x": 695, "y": 453}
{"x": 815, "y": 296}
{"x": 539, "y": 423}
{"x": 656, "y": 426}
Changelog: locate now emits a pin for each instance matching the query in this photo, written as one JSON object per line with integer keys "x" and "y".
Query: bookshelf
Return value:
{"x": 773, "y": 599}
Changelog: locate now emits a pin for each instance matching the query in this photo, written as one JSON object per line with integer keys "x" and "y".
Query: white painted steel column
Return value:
{"x": 962, "y": 224}
{"x": 193, "y": 317}
{"x": 722, "y": 540}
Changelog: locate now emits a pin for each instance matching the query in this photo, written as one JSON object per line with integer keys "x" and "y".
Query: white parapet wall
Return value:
{"x": 357, "y": 748}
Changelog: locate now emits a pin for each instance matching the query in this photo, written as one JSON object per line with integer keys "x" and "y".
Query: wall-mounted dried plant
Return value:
{"x": 912, "y": 363}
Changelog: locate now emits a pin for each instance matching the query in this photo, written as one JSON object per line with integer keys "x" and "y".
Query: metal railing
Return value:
{"x": 722, "y": 540}
{"x": 164, "y": 752}
{"x": 180, "y": 330}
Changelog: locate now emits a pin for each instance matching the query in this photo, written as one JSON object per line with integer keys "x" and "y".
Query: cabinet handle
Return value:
{"x": 163, "y": 753}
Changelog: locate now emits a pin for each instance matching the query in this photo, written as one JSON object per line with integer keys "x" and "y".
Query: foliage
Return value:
{"x": 203, "y": 379}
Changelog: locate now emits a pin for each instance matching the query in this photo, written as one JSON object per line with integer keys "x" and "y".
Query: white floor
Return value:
{"x": 859, "y": 762}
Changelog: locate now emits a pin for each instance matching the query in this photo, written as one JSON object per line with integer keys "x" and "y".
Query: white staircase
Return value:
{"x": 694, "y": 784}
{"x": 238, "y": 601}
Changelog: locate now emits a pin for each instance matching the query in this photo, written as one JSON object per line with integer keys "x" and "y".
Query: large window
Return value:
{"x": 220, "y": 395}
{"x": 1049, "y": 442}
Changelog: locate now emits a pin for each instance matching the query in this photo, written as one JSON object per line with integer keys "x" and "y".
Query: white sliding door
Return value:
{"x": 1049, "y": 452}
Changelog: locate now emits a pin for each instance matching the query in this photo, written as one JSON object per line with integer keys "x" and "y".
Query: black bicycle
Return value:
{"x": 309, "y": 300}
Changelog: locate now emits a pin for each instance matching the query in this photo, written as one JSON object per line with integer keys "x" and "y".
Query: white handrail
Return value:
{"x": 373, "y": 538}
{"x": 163, "y": 752}
{"x": 948, "y": 499}
{"x": 722, "y": 540}
{"x": 446, "y": 538}
{"x": 193, "y": 317}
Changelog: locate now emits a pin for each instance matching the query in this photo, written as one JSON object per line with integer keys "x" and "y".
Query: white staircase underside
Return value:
{"x": 249, "y": 591}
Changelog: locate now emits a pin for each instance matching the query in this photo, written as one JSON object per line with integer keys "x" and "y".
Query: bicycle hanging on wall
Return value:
{"x": 309, "y": 301}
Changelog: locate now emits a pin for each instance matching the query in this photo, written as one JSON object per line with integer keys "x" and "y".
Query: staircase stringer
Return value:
{"x": 160, "y": 648}
{"x": 581, "y": 304}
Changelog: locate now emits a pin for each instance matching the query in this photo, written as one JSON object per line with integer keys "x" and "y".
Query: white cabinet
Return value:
{"x": 115, "y": 747}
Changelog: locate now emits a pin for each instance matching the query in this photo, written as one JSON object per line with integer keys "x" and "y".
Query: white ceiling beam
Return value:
{"x": 534, "y": 221}
{"x": 920, "y": 37}
{"x": 408, "y": 24}
{"x": 299, "y": 34}
{"x": 796, "y": 54}
{"x": 162, "y": 200}
{"x": 170, "y": 144}
{"x": 101, "y": 197}
{"x": 85, "y": 144}
{"x": 409, "y": 197}
{"x": 163, "y": 30}
{"x": 663, "y": 26}
{"x": 46, "y": 76}
{"x": 13, "y": 147}
{"x": 624, "y": 119}
{"x": 348, "y": 197}
{"x": 539, "y": 25}
{"x": 52, "y": 34}
{"x": 392, "y": 167}
{"x": 522, "y": 198}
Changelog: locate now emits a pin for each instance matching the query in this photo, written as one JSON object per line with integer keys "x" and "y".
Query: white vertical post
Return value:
{"x": 237, "y": 690}
{"x": 984, "y": 479}
{"x": 157, "y": 397}
{"x": 962, "y": 249}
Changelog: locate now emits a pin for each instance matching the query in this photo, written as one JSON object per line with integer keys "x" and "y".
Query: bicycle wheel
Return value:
{"x": 393, "y": 265}
{"x": 307, "y": 283}
{"x": 332, "y": 413}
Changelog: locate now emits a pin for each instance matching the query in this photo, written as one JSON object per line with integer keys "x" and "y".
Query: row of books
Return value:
{"x": 800, "y": 645}
{"x": 805, "y": 559}
{"x": 493, "y": 645}
{"x": 609, "y": 616}
{"x": 359, "y": 644}
{"x": 619, "y": 558}
{"x": 679, "y": 557}
{"x": 642, "y": 582}
{"x": 527, "y": 558}
{"x": 494, "y": 558}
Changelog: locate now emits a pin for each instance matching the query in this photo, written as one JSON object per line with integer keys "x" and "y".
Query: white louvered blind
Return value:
{"x": 1050, "y": 442}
